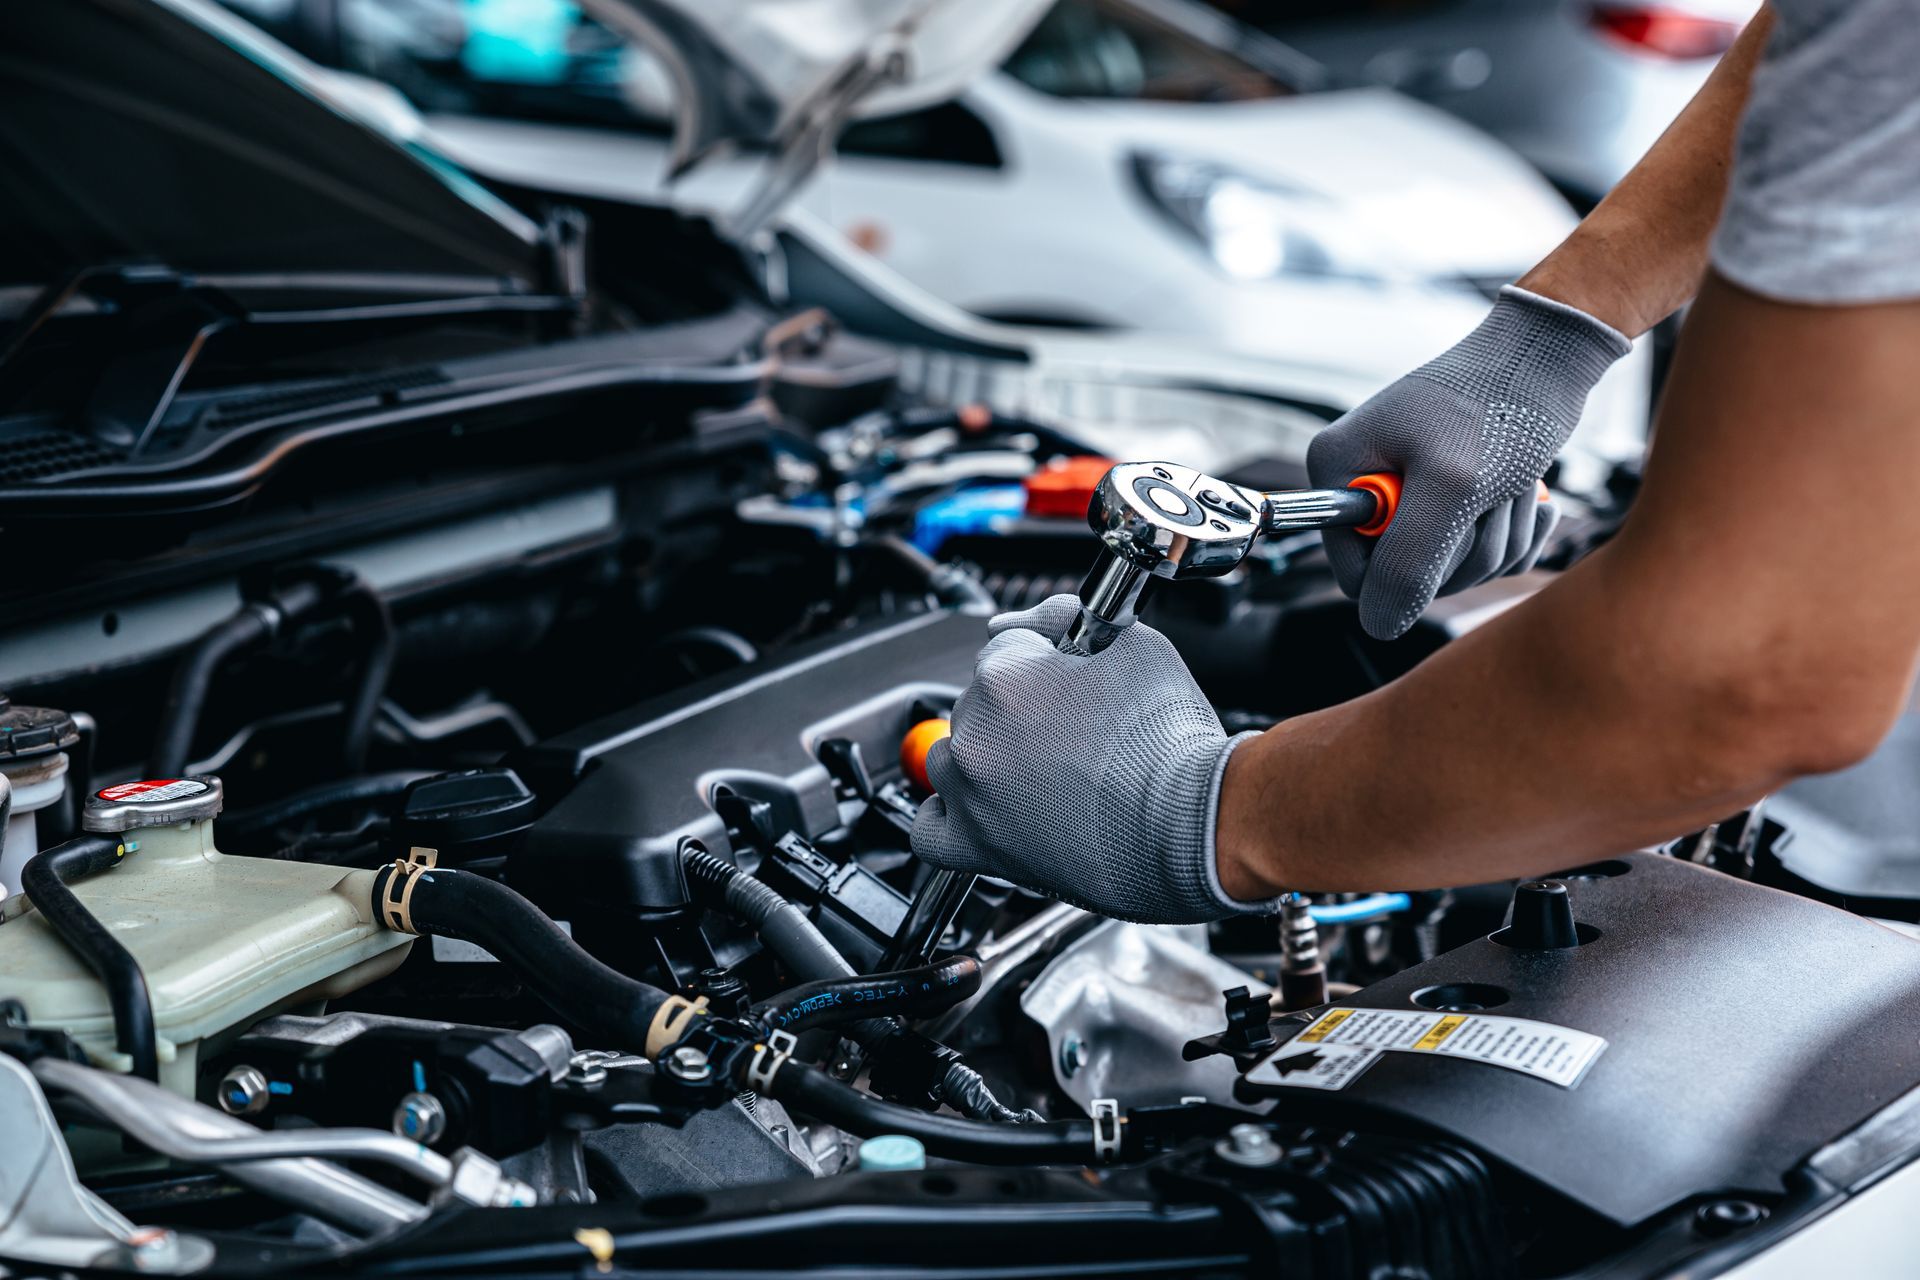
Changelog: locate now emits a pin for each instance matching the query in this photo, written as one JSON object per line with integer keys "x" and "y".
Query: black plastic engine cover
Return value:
{"x": 646, "y": 777}
{"x": 1746, "y": 1029}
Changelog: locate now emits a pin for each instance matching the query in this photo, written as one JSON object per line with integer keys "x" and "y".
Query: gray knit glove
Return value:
{"x": 1093, "y": 779}
{"x": 1471, "y": 433}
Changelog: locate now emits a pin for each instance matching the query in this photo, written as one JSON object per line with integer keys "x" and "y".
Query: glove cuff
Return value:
{"x": 1532, "y": 351}
{"x": 1210, "y": 855}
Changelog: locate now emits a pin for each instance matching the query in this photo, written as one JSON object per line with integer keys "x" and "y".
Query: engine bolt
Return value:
{"x": 689, "y": 1064}
{"x": 1724, "y": 1217}
{"x": 1249, "y": 1145}
{"x": 154, "y": 1249}
{"x": 420, "y": 1116}
{"x": 1073, "y": 1055}
{"x": 244, "y": 1092}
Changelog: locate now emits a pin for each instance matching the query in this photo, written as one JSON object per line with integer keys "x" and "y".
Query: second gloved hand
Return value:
{"x": 1471, "y": 433}
{"x": 1094, "y": 779}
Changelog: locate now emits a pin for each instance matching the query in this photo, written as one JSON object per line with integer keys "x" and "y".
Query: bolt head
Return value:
{"x": 1073, "y": 1055}
{"x": 689, "y": 1064}
{"x": 421, "y": 1117}
{"x": 1250, "y": 1146}
{"x": 1724, "y": 1217}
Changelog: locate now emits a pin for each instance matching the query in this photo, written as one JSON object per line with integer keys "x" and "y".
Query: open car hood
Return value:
{"x": 170, "y": 131}
{"x": 783, "y": 75}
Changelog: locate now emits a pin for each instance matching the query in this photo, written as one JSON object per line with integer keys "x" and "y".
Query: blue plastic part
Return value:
{"x": 279, "y": 1086}
{"x": 892, "y": 1152}
{"x": 978, "y": 510}
{"x": 419, "y": 1078}
{"x": 1374, "y": 904}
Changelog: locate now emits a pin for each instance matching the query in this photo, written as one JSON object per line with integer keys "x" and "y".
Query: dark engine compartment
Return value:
{"x": 645, "y": 671}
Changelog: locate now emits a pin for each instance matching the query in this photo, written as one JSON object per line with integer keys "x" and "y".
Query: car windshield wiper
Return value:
{"x": 146, "y": 328}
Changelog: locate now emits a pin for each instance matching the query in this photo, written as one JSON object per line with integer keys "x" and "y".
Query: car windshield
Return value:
{"x": 1115, "y": 50}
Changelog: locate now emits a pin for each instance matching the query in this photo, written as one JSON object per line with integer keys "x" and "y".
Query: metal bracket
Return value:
{"x": 768, "y": 1059}
{"x": 1106, "y": 1129}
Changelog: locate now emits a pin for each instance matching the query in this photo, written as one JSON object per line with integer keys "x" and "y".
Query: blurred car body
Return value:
{"x": 1579, "y": 87}
{"x": 1135, "y": 164}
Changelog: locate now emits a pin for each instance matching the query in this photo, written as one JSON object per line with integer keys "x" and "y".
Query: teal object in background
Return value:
{"x": 891, "y": 1153}
{"x": 520, "y": 40}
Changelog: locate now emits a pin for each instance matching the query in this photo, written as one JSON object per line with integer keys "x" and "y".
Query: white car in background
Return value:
{"x": 1147, "y": 165}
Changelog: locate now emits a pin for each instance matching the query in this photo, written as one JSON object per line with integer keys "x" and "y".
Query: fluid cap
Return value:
{"x": 892, "y": 1153}
{"x": 917, "y": 745}
{"x": 33, "y": 731}
{"x": 154, "y": 802}
{"x": 1542, "y": 918}
{"x": 467, "y": 814}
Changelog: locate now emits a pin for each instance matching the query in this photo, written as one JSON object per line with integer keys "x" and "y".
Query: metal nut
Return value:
{"x": 244, "y": 1092}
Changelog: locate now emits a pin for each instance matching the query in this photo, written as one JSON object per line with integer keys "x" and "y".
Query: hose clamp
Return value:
{"x": 671, "y": 1022}
{"x": 396, "y": 904}
{"x": 1106, "y": 1129}
{"x": 768, "y": 1058}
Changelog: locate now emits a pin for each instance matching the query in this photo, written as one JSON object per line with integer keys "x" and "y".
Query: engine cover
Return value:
{"x": 1746, "y": 1028}
{"x": 647, "y": 777}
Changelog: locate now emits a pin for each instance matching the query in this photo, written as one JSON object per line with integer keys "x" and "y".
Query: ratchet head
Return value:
{"x": 1157, "y": 520}
{"x": 1174, "y": 522}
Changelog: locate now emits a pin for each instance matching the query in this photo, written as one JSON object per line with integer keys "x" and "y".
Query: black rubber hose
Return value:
{"x": 472, "y": 908}
{"x": 951, "y": 584}
{"x": 911, "y": 993}
{"x": 373, "y": 626}
{"x": 782, "y": 926}
{"x": 368, "y": 788}
{"x": 44, "y": 880}
{"x": 816, "y": 1094}
{"x": 254, "y": 625}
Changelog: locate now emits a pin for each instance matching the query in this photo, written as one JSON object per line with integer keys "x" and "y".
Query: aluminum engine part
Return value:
{"x": 46, "y": 1216}
{"x": 1117, "y": 1006}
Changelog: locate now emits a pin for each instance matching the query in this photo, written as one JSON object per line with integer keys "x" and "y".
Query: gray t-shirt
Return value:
{"x": 1824, "y": 205}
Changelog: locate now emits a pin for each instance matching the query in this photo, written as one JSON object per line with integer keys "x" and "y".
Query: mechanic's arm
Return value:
{"x": 1639, "y": 256}
{"x": 1474, "y": 429}
{"x": 1754, "y": 620}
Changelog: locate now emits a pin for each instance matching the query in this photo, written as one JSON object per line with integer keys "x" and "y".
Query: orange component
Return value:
{"x": 915, "y": 747}
{"x": 1540, "y": 491}
{"x": 1063, "y": 488}
{"x": 1385, "y": 488}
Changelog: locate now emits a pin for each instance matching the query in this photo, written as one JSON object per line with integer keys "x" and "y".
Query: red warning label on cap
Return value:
{"x": 152, "y": 790}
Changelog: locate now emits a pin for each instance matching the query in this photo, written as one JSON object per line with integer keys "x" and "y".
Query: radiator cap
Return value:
{"x": 153, "y": 802}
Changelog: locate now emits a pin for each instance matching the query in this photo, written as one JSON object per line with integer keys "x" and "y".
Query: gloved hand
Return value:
{"x": 1095, "y": 779}
{"x": 1471, "y": 433}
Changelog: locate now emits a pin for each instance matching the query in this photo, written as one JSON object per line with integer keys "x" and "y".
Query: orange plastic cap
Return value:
{"x": 915, "y": 747}
{"x": 1062, "y": 489}
{"x": 1385, "y": 488}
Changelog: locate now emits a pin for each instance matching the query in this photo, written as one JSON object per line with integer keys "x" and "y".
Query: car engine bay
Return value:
{"x": 466, "y": 701}
{"x": 574, "y": 886}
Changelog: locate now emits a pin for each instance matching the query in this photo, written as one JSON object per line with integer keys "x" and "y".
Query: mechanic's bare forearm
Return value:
{"x": 1639, "y": 256}
{"x": 1754, "y": 621}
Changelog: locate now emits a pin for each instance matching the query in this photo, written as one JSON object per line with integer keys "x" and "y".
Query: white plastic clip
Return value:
{"x": 779, "y": 1048}
{"x": 1106, "y": 1129}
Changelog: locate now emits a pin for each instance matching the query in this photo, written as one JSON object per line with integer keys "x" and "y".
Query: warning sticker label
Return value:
{"x": 1559, "y": 1055}
{"x": 1307, "y": 1065}
{"x": 153, "y": 790}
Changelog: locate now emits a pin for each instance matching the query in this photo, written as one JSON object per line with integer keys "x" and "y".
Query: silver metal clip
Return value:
{"x": 779, "y": 1048}
{"x": 1106, "y": 1129}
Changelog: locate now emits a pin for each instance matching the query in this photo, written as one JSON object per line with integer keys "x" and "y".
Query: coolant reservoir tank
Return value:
{"x": 223, "y": 941}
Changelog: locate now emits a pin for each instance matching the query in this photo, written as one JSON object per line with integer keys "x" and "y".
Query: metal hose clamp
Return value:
{"x": 768, "y": 1059}
{"x": 396, "y": 904}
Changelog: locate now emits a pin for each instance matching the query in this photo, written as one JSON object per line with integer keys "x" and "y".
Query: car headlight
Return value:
{"x": 1255, "y": 229}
